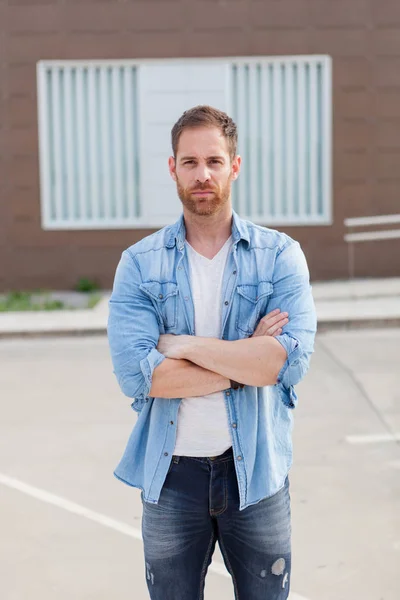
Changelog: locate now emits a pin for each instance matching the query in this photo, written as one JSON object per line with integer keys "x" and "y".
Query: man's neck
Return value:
{"x": 207, "y": 234}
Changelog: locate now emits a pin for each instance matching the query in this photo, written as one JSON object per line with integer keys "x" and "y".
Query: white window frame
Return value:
{"x": 137, "y": 222}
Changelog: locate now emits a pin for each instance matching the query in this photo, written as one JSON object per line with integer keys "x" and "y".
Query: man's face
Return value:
{"x": 203, "y": 170}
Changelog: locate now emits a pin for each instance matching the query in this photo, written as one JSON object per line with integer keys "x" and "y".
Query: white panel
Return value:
{"x": 327, "y": 138}
{"x": 81, "y": 154}
{"x": 129, "y": 151}
{"x": 196, "y": 84}
{"x": 290, "y": 140}
{"x": 94, "y": 145}
{"x": 277, "y": 139}
{"x": 253, "y": 134}
{"x": 68, "y": 128}
{"x": 301, "y": 154}
{"x": 105, "y": 146}
{"x": 313, "y": 135}
{"x": 45, "y": 148}
{"x": 266, "y": 140}
{"x": 118, "y": 145}
{"x": 243, "y": 133}
{"x": 57, "y": 146}
{"x": 183, "y": 76}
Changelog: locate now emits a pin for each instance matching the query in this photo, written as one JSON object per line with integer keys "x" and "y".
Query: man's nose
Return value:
{"x": 202, "y": 173}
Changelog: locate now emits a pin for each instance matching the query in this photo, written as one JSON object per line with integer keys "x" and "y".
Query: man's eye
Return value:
{"x": 188, "y": 162}
{"x": 215, "y": 161}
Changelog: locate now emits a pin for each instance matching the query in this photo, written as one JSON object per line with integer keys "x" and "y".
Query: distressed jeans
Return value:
{"x": 198, "y": 506}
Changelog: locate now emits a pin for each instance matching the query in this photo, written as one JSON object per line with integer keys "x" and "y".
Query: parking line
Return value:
{"x": 373, "y": 438}
{"x": 82, "y": 511}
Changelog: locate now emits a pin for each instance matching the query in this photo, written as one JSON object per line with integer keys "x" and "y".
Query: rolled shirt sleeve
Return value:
{"x": 133, "y": 332}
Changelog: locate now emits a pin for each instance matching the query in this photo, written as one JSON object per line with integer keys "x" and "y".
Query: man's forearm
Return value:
{"x": 253, "y": 361}
{"x": 182, "y": 379}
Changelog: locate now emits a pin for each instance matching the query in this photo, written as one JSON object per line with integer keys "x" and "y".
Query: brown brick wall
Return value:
{"x": 362, "y": 36}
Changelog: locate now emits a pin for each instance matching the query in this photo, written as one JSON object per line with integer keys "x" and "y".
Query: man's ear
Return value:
{"x": 237, "y": 161}
{"x": 172, "y": 167}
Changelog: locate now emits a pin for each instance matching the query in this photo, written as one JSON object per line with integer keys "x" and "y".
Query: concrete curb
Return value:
{"x": 323, "y": 326}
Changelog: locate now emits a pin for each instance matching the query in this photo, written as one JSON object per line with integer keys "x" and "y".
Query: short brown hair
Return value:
{"x": 206, "y": 116}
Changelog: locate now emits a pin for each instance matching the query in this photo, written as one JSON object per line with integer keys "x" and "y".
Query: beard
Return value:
{"x": 208, "y": 205}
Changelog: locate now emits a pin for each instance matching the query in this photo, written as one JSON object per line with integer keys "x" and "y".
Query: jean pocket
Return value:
{"x": 253, "y": 301}
{"x": 165, "y": 299}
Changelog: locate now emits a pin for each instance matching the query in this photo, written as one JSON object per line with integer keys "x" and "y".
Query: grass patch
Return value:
{"x": 94, "y": 298}
{"x": 22, "y": 301}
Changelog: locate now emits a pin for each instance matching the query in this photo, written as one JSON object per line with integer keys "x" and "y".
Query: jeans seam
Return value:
{"x": 225, "y": 555}
{"x": 204, "y": 567}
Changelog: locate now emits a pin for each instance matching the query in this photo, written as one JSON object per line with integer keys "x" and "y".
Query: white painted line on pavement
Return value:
{"x": 71, "y": 507}
{"x": 82, "y": 511}
{"x": 373, "y": 438}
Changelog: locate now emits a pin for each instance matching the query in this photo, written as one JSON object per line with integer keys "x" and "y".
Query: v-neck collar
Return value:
{"x": 211, "y": 260}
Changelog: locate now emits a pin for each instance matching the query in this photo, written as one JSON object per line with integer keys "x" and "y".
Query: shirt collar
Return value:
{"x": 178, "y": 232}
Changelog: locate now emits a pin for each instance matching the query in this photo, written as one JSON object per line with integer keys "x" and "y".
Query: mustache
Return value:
{"x": 202, "y": 188}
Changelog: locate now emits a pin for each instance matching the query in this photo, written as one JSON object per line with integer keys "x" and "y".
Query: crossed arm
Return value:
{"x": 185, "y": 366}
{"x": 197, "y": 366}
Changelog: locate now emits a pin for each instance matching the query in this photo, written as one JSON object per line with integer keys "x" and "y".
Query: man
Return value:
{"x": 211, "y": 325}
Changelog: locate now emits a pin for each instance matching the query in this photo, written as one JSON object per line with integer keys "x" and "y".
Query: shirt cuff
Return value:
{"x": 293, "y": 351}
{"x": 147, "y": 366}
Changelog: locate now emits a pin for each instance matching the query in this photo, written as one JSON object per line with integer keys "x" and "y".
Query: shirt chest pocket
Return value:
{"x": 252, "y": 305}
{"x": 164, "y": 297}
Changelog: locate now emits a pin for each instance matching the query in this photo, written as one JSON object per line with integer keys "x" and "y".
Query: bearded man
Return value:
{"x": 211, "y": 326}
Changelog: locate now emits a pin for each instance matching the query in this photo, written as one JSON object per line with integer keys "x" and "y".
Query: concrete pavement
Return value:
{"x": 70, "y": 530}
{"x": 340, "y": 304}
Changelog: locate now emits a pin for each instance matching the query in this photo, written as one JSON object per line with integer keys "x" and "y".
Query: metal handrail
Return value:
{"x": 366, "y": 236}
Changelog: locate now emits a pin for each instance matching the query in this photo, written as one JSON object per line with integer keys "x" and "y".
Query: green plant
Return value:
{"x": 86, "y": 285}
{"x": 93, "y": 300}
{"x": 22, "y": 301}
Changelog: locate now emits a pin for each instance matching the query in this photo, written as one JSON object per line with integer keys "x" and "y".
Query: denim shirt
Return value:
{"x": 151, "y": 295}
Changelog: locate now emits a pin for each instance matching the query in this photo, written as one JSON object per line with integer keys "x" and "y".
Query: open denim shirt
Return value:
{"x": 265, "y": 270}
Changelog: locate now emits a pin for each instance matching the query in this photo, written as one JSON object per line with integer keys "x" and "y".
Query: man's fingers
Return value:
{"x": 270, "y": 328}
{"x": 271, "y": 314}
{"x": 271, "y": 319}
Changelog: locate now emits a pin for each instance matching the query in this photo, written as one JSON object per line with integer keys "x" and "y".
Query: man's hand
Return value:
{"x": 272, "y": 324}
{"x": 174, "y": 346}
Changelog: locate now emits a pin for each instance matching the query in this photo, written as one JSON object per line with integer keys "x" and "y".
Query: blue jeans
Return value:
{"x": 199, "y": 505}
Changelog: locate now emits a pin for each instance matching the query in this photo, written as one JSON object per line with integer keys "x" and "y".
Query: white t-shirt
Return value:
{"x": 203, "y": 427}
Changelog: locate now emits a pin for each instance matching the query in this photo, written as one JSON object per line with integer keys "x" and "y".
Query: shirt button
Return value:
{"x": 228, "y": 393}
{"x": 179, "y": 268}
{"x": 239, "y": 457}
{"x": 186, "y": 298}
{"x": 171, "y": 422}
{"x": 160, "y": 296}
{"x": 234, "y": 272}
{"x": 226, "y": 302}
{"x": 234, "y": 425}
{"x": 165, "y": 453}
